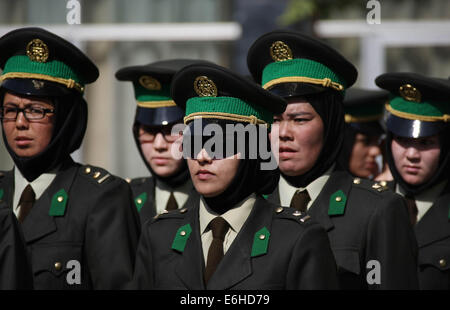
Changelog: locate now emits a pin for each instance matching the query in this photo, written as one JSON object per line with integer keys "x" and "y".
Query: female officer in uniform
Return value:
{"x": 359, "y": 215}
{"x": 231, "y": 238}
{"x": 79, "y": 224}
{"x": 418, "y": 156}
{"x": 170, "y": 186}
{"x": 363, "y": 110}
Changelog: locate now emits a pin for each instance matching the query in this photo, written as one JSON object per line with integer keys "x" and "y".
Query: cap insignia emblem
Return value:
{"x": 204, "y": 87}
{"x": 37, "y": 50}
{"x": 410, "y": 93}
{"x": 280, "y": 51}
{"x": 149, "y": 82}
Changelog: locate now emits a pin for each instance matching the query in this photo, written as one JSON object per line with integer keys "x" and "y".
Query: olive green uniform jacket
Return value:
{"x": 82, "y": 232}
{"x": 369, "y": 231}
{"x": 15, "y": 272}
{"x": 294, "y": 253}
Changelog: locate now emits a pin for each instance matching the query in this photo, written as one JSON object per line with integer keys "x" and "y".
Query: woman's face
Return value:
{"x": 416, "y": 159}
{"x": 156, "y": 147}
{"x": 211, "y": 177}
{"x": 363, "y": 158}
{"x": 26, "y": 137}
{"x": 300, "y": 130}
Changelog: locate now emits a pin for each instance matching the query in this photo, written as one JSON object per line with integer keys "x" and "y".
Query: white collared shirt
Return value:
{"x": 424, "y": 200}
{"x": 314, "y": 188}
{"x": 235, "y": 217}
{"x": 162, "y": 194}
{"x": 39, "y": 185}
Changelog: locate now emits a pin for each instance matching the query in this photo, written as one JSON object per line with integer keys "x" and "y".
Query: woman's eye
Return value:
{"x": 276, "y": 120}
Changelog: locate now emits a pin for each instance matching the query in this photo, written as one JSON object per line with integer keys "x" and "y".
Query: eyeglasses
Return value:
{"x": 166, "y": 131}
{"x": 30, "y": 113}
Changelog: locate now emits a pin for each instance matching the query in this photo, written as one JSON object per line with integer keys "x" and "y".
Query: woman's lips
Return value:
{"x": 22, "y": 141}
{"x": 286, "y": 152}
{"x": 204, "y": 175}
{"x": 411, "y": 169}
{"x": 160, "y": 160}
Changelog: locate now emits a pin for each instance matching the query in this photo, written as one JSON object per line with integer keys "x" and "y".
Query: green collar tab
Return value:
{"x": 58, "y": 204}
{"x": 260, "y": 242}
{"x": 140, "y": 200}
{"x": 2, "y": 192}
{"x": 337, "y": 203}
{"x": 181, "y": 237}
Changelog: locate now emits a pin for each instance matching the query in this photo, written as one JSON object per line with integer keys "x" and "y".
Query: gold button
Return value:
{"x": 338, "y": 198}
{"x": 139, "y": 200}
{"x": 262, "y": 237}
{"x": 442, "y": 263}
{"x": 60, "y": 198}
{"x": 383, "y": 183}
{"x": 376, "y": 185}
{"x": 183, "y": 210}
{"x": 96, "y": 175}
{"x": 58, "y": 266}
{"x": 279, "y": 210}
{"x": 183, "y": 233}
{"x": 297, "y": 213}
{"x": 357, "y": 181}
{"x": 87, "y": 170}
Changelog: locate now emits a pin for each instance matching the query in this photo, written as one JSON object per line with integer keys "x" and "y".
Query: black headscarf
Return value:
{"x": 328, "y": 105}
{"x": 177, "y": 179}
{"x": 441, "y": 173}
{"x": 70, "y": 125}
{"x": 249, "y": 179}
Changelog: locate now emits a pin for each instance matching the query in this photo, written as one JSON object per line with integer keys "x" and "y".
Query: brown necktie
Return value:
{"x": 171, "y": 203}
{"x": 219, "y": 228}
{"x": 412, "y": 209}
{"x": 300, "y": 200}
{"x": 26, "y": 201}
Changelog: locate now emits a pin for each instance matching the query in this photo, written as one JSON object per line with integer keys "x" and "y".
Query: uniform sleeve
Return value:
{"x": 312, "y": 266}
{"x": 391, "y": 242}
{"x": 112, "y": 234}
{"x": 143, "y": 272}
{"x": 15, "y": 270}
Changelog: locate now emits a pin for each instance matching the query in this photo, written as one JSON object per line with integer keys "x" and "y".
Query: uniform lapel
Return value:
{"x": 191, "y": 265}
{"x": 435, "y": 225}
{"x": 148, "y": 210}
{"x": 39, "y": 223}
{"x": 275, "y": 197}
{"x": 7, "y": 187}
{"x": 319, "y": 209}
{"x": 236, "y": 264}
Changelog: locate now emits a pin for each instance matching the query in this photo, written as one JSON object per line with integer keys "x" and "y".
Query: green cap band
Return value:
{"x": 55, "y": 68}
{"x": 299, "y": 67}
{"x": 420, "y": 109}
{"x": 227, "y": 105}
{"x": 143, "y": 94}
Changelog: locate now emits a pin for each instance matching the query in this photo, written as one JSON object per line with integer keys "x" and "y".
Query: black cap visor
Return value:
{"x": 413, "y": 128}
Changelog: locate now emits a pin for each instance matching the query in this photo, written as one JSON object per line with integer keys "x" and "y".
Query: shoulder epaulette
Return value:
{"x": 290, "y": 213}
{"x": 96, "y": 174}
{"x": 371, "y": 185}
{"x": 171, "y": 214}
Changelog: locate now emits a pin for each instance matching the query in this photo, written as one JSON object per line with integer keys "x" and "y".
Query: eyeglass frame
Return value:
{"x": 166, "y": 131}
{"x": 45, "y": 111}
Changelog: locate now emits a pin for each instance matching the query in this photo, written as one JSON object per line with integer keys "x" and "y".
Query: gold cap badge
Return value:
{"x": 410, "y": 93}
{"x": 280, "y": 51}
{"x": 149, "y": 82}
{"x": 204, "y": 87}
{"x": 37, "y": 50}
